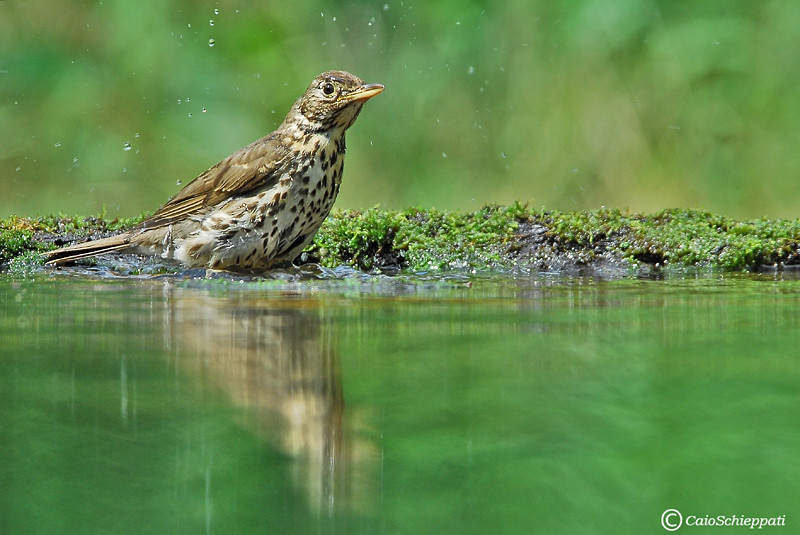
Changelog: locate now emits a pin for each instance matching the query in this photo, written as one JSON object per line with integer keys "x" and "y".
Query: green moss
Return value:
{"x": 25, "y": 264}
{"x": 417, "y": 239}
{"x": 585, "y": 228}
{"x": 492, "y": 238}
{"x": 14, "y": 243}
{"x": 683, "y": 237}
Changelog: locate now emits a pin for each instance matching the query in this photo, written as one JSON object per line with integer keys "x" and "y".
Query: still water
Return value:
{"x": 380, "y": 405}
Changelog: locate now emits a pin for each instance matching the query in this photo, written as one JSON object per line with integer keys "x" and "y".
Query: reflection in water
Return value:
{"x": 279, "y": 362}
{"x": 528, "y": 408}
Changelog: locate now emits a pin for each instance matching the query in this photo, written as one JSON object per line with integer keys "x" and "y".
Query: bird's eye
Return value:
{"x": 328, "y": 89}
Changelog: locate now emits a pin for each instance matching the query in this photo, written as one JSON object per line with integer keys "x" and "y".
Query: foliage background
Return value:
{"x": 639, "y": 104}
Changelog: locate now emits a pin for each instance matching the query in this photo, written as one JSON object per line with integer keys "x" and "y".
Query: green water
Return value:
{"x": 535, "y": 405}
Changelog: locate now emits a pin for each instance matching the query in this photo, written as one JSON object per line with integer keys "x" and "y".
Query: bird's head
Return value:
{"x": 334, "y": 99}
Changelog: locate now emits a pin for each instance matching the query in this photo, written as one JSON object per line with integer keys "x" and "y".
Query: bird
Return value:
{"x": 262, "y": 205}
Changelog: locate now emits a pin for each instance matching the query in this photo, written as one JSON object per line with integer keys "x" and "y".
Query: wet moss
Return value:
{"x": 516, "y": 237}
{"x": 492, "y": 238}
{"x": 700, "y": 238}
{"x": 677, "y": 237}
{"x": 14, "y": 243}
{"x": 417, "y": 239}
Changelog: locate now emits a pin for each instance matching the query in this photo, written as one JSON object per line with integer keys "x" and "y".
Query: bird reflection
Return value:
{"x": 276, "y": 358}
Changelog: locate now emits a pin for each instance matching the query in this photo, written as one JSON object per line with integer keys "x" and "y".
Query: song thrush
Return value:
{"x": 264, "y": 203}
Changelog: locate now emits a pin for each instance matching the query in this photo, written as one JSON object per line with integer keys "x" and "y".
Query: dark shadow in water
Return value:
{"x": 277, "y": 359}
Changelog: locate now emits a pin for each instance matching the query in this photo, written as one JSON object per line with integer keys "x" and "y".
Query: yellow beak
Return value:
{"x": 365, "y": 92}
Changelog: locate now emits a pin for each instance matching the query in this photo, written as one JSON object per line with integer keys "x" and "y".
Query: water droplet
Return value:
{"x": 444, "y": 155}
{"x": 334, "y": 19}
{"x": 127, "y": 146}
{"x": 18, "y": 169}
{"x": 189, "y": 25}
{"x": 471, "y": 70}
{"x": 211, "y": 22}
{"x": 177, "y": 182}
{"x": 386, "y": 7}
{"x": 75, "y": 159}
{"x": 136, "y": 134}
{"x": 216, "y": 11}
{"x": 502, "y": 154}
{"x": 187, "y": 99}
{"x": 56, "y": 145}
{"x": 190, "y": 114}
{"x": 179, "y": 101}
{"x": 211, "y": 42}
{"x": 371, "y": 21}
{"x": 204, "y": 110}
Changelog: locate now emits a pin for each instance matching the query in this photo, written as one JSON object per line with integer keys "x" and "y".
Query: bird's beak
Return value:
{"x": 365, "y": 92}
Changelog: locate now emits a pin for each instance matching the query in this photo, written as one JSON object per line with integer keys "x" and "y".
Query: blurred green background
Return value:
{"x": 638, "y": 104}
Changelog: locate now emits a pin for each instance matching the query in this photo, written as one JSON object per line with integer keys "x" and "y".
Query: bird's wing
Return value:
{"x": 257, "y": 165}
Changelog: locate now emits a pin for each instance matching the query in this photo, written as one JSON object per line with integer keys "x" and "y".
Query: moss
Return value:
{"x": 682, "y": 237}
{"x": 14, "y": 243}
{"x": 585, "y": 228}
{"x": 492, "y": 238}
{"x": 25, "y": 264}
{"x": 417, "y": 239}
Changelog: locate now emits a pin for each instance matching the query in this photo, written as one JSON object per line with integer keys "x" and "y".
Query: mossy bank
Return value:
{"x": 494, "y": 238}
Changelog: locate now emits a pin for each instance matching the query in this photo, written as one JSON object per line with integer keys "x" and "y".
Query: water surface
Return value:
{"x": 378, "y": 405}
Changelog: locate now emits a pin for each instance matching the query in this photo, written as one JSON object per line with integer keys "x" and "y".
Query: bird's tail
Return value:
{"x": 89, "y": 248}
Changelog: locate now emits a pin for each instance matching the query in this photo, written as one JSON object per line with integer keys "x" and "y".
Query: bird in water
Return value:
{"x": 263, "y": 204}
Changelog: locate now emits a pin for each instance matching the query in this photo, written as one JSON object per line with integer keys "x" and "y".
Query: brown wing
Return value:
{"x": 255, "y": 166}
